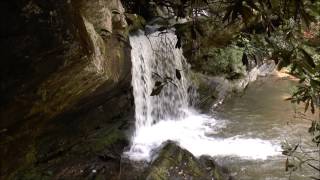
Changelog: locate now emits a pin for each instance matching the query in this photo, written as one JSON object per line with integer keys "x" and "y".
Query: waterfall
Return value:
{"x": 167, "y": 116}
{"x": 155, "y": 59}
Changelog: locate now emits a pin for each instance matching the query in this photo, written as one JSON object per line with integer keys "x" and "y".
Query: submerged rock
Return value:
{"x": 174, "y": 162}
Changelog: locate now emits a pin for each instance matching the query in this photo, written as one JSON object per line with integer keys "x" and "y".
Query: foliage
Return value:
{"x": 290, "y": 47}
{"x": 222, "y": 61}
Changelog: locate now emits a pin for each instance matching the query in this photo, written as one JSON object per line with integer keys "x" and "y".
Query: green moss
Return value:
{"x": 207, "y": 92}
{"x": 27, "y": 163}
{"x": 135, "y": 22}
{"x": 99, "y": 177}
{"x": 33, "y": 174}
{"x": 158, "y": 174}
{"x": 105, "y": 140}
{"x": 216, "y": 174}
{"x": 172, "y": 160}
{"x": 217, "y": 61}
{"x": 30, "y": 157}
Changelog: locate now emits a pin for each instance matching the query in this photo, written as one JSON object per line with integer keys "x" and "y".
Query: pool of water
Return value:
{"x": 261, "y": 112}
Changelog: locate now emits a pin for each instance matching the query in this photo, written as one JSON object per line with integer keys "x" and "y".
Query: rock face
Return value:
{"x": 226, "y": 60}
{"x": 221, "y": 62}
{"x": 80, "y": 57}
{"x": 174, "y": 162}
{"x": 213, "y": 90}
{"x": 65, "y": 75}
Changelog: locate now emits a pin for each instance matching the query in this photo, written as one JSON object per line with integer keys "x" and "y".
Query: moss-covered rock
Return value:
{"x": 206, "y": 91}
{"x": 174, "y": 162}
{"x": 207, "y": 47}
{"x": 217, "y": 61}
{"x": 135, "y": 22}
{"x": 83, "y": 157}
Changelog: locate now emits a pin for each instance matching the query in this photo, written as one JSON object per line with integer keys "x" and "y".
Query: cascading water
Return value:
{"x": 155, "y": 58}
{"x": 168, "y": 116}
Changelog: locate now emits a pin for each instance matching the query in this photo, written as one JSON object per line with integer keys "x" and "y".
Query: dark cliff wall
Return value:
{"x": 65, "y": 74}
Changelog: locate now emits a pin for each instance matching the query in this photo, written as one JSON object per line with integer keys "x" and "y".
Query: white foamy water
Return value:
{"x": 168, "y": 115}
{"x": 196, "y": 134}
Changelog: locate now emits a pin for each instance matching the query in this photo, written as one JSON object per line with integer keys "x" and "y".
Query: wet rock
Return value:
{"x": 213, "y": 90}
{"x": 135, "y": 22}
{"x": 174, "y": 162}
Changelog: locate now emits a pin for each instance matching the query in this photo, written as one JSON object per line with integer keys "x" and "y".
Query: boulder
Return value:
{"x": 174, "y": 162}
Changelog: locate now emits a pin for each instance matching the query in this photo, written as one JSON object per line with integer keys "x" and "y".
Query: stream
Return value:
{"x": 261, "y": 112}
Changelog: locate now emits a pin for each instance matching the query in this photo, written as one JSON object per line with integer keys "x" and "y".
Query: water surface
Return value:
{"x": 261, "y": 112}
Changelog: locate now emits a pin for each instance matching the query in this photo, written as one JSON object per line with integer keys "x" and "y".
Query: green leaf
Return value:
{"x": 312, "y": 106}
{"x": 313, "y": 127}
{"x": 308, "y": 58}
{"x": 156, "y": 74}
{"x": 306, "y": 67}
{"x": 251, "y": 4}
{"x": 307, "y": 105}
{"x": 306, "y": 17}
{"x": 302, "y": 80}
{"x": 228, "y": 13}
{"x": 206, "y": 1}
{"x": 178, "y": 44}
{"x": 167, "y": 78}
{"x": 246, "y": 13}
{"x": 178, "y": 74}
{"x": 314, "y": 83}
{"x": 287, "y": 164}
{"x": 193, "y": 33}
{"x": 158, "y": 83}
{"x": 156, "y": 90}
{"x": 288, "y": 99}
